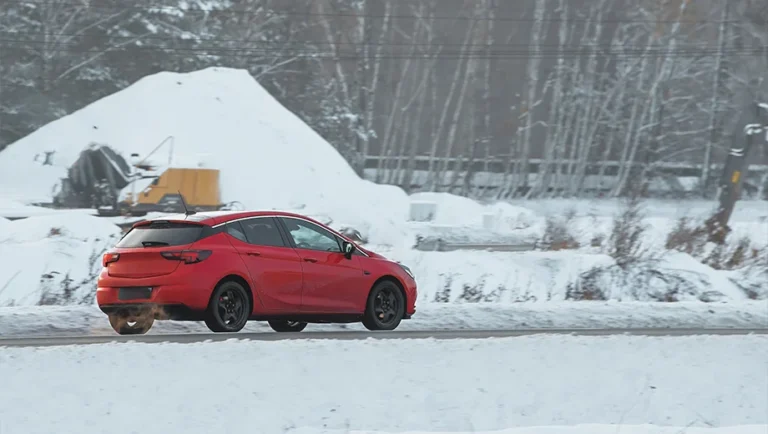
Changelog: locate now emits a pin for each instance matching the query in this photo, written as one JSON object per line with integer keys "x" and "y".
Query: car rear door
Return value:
{"x": 275, "y": 268}
{"x": 332, "y": 283}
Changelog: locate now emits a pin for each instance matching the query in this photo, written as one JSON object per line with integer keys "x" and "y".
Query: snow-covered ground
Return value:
{"x": 387, "y": 386}
{"x": 89, "y": 320}
{"x": 52, "y": 259}
{"x": 53, "y": 254}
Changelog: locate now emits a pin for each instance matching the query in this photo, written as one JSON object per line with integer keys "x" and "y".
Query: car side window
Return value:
{"x": 262, "y": 232}
{"x": 310, "y": 236}
{"x": 236, "y": 230}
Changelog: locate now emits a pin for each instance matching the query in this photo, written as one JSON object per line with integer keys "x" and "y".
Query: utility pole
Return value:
{"x": 721, "y": 67}
{"x": 732, "y": 180}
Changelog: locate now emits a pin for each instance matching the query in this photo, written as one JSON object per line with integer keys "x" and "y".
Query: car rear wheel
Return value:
{"x": 229, "y": 308}
{"x": 385, "y": 308}
{"x": 131, "y": 324}
{"x": 282, "y": 326}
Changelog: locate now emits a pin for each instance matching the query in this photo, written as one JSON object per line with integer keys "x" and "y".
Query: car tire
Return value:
{"x": 229, "y": 308}
{"x": 131, "y": 325}
{"x": 385, "y": 307}
{"x": 282, "y": 326}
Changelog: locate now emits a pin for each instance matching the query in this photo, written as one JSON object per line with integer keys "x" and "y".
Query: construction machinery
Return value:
{"x": 102, "y": 179}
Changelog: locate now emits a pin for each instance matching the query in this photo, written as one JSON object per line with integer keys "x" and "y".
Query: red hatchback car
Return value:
{"x": 226, "y": 268}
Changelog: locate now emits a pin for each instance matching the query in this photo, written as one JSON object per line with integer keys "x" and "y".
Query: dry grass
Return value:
{"x": 557, "y": 234}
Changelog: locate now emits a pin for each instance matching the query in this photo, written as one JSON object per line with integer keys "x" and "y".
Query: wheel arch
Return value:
{"x": 242, "y": 281}
{"x": 393, "y": 279}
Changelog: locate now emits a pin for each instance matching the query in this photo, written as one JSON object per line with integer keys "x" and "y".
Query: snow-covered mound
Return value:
{"x": 52, "y": 259}
{"x": 268, "y": 157}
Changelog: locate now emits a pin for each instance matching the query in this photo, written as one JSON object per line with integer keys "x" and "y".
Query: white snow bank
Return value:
{"x": 455, "y": 210}
{"x": 593, "y": 217}
{"x": 52, "y": 259}
{"x": 578, "y": 429}
{"x": 386, "y": 385}
{"x": 268, "y": 157}
{"x": 498, "y": 277}
{"x": 89, "y": 320}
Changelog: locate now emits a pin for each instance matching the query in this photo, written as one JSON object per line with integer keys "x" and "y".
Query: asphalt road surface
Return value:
{"x": 445, "y": 334}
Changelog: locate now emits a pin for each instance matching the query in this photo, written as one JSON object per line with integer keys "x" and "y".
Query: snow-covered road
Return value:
{"x": 89, "y": 320}
{"x": 385, "y": 385}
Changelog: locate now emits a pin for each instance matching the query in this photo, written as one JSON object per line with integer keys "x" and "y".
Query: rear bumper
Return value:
{"x": 190, "y": 290}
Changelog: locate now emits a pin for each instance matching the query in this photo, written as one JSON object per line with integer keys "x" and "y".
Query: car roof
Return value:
{"x": 218, "y": 217}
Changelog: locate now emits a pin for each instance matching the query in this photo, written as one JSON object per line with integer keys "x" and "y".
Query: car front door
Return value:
{"x": 275, "y": 268}
{"x": 332, "y": 283}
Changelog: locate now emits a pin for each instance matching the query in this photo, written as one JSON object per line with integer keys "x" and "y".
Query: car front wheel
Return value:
{"x": 385, "y": 308}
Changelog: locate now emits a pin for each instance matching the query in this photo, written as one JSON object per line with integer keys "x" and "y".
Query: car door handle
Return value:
{"x": 253, "y": 254}
{"x": 313, "y": 260}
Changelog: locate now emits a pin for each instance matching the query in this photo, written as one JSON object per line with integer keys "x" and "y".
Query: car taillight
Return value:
{"x": 109, "y": 258}
{"x": 188, "y": 256}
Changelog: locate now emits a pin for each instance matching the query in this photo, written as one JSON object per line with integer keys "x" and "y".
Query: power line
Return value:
{"x": 149, "y": 7}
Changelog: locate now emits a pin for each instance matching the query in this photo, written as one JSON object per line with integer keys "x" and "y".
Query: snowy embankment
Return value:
{"x": 386, "y": 386}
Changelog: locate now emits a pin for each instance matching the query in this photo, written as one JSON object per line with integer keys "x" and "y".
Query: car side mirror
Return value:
{"x": 348, "y": 249}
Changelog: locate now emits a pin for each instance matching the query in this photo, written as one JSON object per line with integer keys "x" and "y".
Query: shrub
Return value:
{"x": 687, "y": 238}
{"x": 624, "y": 243}
{"x": 557, "y": 234}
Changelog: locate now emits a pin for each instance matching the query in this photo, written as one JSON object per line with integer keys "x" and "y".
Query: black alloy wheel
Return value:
{"x": 385, "y": 308}
{"x": 229, "y": 308}
{"x": 283, "y": 326}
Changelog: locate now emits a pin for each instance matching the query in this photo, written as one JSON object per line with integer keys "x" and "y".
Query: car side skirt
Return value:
{"x": 179, "y": 312}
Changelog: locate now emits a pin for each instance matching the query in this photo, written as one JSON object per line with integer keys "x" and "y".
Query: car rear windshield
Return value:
{"x": 161, "y": 234}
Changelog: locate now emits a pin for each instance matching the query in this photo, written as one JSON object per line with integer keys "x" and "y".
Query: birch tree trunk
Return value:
{"x": 469, "y": 75}
{"x": 663, "y": 74}
{"x": 534, "y": 62}
{"x": 434, "y": 166}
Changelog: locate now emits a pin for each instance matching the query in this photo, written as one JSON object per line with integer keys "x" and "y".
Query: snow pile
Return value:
{"x": 425, "y": 385}
{"x": 455, "y": 210}
{"x": 53, "y": 259}
{"x": 268, "y": 157}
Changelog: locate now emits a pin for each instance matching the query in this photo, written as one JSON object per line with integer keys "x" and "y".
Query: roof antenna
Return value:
{"x": 187, "y": 212}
